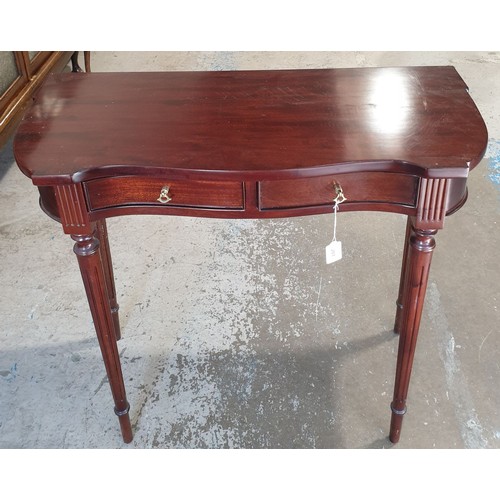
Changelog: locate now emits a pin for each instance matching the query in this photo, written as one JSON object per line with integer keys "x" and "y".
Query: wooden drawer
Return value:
{"x": 129, "y": 190}
{"x": 367, "y": 187}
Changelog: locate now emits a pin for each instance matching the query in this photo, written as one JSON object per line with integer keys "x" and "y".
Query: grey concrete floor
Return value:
{"x": 236, "y": 333}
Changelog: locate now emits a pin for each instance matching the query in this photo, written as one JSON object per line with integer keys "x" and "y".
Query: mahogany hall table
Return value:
{"x": 251, "y": 144}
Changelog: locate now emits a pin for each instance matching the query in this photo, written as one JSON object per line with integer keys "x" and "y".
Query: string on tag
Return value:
{"x": 334, "y": 249}
{"x": 335, "y": 208}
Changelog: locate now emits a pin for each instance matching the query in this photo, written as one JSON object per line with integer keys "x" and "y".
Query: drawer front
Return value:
{"x": 126, "y": 191}
{"x": 367, "y": 187}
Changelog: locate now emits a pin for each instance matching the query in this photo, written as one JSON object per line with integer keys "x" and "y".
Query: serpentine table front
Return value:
{"x": 251, "y": 144}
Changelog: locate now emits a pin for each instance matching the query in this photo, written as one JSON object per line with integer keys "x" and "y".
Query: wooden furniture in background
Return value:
{"x": 252, "y": 144}
{"x": 21, "y": 74}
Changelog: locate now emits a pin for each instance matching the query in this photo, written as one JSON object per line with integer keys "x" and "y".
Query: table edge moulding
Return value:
{"x": 252, "y": 144}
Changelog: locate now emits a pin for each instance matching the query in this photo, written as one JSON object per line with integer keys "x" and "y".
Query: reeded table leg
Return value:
{"x": 89, "y": 258}
{"x": 419, "y": 253}
{"x": 107, "y": 264}
{"x": 399, "y": 302}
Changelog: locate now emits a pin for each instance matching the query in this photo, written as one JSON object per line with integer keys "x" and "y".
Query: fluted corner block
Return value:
{"x": 72, "y": 208}
{"x": 432, "y": 203}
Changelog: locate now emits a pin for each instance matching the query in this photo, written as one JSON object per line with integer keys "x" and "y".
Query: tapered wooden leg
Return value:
{"x": 399, "y": 302}
{"x": 421, "y": 244}
{"x": 89, "y": 258}
{"x": 107, "y": 264}
{"x": 86, "y": 58}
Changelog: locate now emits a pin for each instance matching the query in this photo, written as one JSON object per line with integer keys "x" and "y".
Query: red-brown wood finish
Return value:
{"x": 86, "y": 249}
{"x": 124, "y": 191}
{"x": 399, "y": 301}
{"x": 252, "y": 144}
{"x": 250, "y": 124}
{"x": 107, "y": 264}
{"x": 370, "y": 187}
{"x": 420, "y": 246}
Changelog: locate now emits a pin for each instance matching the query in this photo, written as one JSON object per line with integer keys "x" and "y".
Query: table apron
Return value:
{"x": 429, "y": 200}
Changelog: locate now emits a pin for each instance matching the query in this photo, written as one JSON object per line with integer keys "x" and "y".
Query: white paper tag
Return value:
{"x": 333, "y": 252}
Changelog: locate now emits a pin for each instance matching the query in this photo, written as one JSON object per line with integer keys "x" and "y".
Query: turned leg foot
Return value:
{"x": 420, "y": 246}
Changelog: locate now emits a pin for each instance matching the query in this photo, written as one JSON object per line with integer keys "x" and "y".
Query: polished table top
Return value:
{"x": 83, "y": 126}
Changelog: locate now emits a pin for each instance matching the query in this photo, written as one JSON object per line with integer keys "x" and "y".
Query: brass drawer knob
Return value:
{"x": 339, "y": 194}
{"x": 164, "y": 197}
